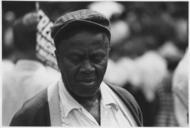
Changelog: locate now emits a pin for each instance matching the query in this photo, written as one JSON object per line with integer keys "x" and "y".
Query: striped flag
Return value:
{"x": 45, "y": 46}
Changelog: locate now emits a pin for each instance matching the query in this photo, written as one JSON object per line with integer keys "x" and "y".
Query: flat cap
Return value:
{"x": 84, "y": 16}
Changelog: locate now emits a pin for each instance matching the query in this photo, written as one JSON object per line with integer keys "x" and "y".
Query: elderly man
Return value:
{"x": 81, "y": 98}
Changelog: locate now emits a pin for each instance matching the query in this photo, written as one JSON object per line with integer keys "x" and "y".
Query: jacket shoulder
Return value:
{"x": 34, "y": 112}
{"x": 130, "y": 103}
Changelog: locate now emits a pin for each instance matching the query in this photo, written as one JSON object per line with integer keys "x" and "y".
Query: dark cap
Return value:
{"x": 84, "y": 16}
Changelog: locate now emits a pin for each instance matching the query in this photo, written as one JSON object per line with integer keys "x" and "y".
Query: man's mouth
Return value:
{"x": 87, "y": 81}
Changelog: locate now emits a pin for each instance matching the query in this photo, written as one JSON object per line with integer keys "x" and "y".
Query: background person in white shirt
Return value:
{"x": 81, "y": 98}
{"x": 180, "y": 88}
{"x": 28, "y": 76}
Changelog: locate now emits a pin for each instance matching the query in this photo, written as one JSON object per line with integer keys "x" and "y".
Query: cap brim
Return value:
{"x": 80, "y": 22}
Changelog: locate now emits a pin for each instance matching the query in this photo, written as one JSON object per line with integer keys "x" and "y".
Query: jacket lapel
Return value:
{"x": 54, "y": 109}
{"x": 130, "y": 102}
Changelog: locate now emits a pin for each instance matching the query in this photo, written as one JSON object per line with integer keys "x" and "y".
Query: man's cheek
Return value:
{"x": 102, "y": 65}
{"x": 101, "y": 68}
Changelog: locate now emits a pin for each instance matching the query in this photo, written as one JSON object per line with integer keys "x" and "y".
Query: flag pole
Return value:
{"x": 37, "y": 5}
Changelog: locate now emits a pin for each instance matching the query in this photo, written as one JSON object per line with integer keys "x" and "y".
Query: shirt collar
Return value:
{"x": 68, "y": 103}
{"x": 107, "y": 97}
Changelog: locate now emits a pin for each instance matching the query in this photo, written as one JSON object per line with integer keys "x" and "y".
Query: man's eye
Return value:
{"x": 97, "y": 58}
{"x": 75, "y": 58}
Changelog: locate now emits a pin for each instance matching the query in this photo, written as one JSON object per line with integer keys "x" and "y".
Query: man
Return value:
{"x": 81, "y": 98}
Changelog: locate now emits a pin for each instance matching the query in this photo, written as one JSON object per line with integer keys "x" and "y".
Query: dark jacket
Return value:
{"x": 35, "y": 111}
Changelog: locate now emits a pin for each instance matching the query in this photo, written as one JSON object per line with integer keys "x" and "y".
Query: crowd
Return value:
{"x": 148, "y": 57}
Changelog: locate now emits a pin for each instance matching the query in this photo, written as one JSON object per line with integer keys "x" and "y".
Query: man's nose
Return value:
{"x": 87, "y": 67}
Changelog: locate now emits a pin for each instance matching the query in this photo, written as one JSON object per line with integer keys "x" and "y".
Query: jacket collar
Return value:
{"x": 68, "y": 103}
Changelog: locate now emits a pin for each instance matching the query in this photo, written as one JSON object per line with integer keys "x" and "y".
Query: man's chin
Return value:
{"x": 88, "y": 89}
{"x": 89, "y": 94}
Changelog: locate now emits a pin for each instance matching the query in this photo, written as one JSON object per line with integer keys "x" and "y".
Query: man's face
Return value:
{"x": 82, "y": 59}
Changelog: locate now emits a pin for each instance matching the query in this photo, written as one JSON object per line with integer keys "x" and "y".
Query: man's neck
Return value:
{"x": 89, "y": 101}
{"x": 92, "y": 105}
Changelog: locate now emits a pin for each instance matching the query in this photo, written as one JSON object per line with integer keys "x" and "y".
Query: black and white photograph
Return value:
{"x": 108, "y": 64}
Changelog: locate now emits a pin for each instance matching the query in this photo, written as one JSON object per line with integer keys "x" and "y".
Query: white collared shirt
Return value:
{"x": 113, "y": 112}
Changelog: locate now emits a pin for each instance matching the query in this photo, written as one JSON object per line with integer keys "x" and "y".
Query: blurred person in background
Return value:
{"x": 180, "y": 90}
{"x": 7, "y": 34}
{"x": 172, "y": 50}
{"x": 7, "y": 41}
{"x": 81, "y": 98}
{"x": 29, "y": 75}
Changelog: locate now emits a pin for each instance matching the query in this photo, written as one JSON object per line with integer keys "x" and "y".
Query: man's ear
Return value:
{"x": 109, "y": 49}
